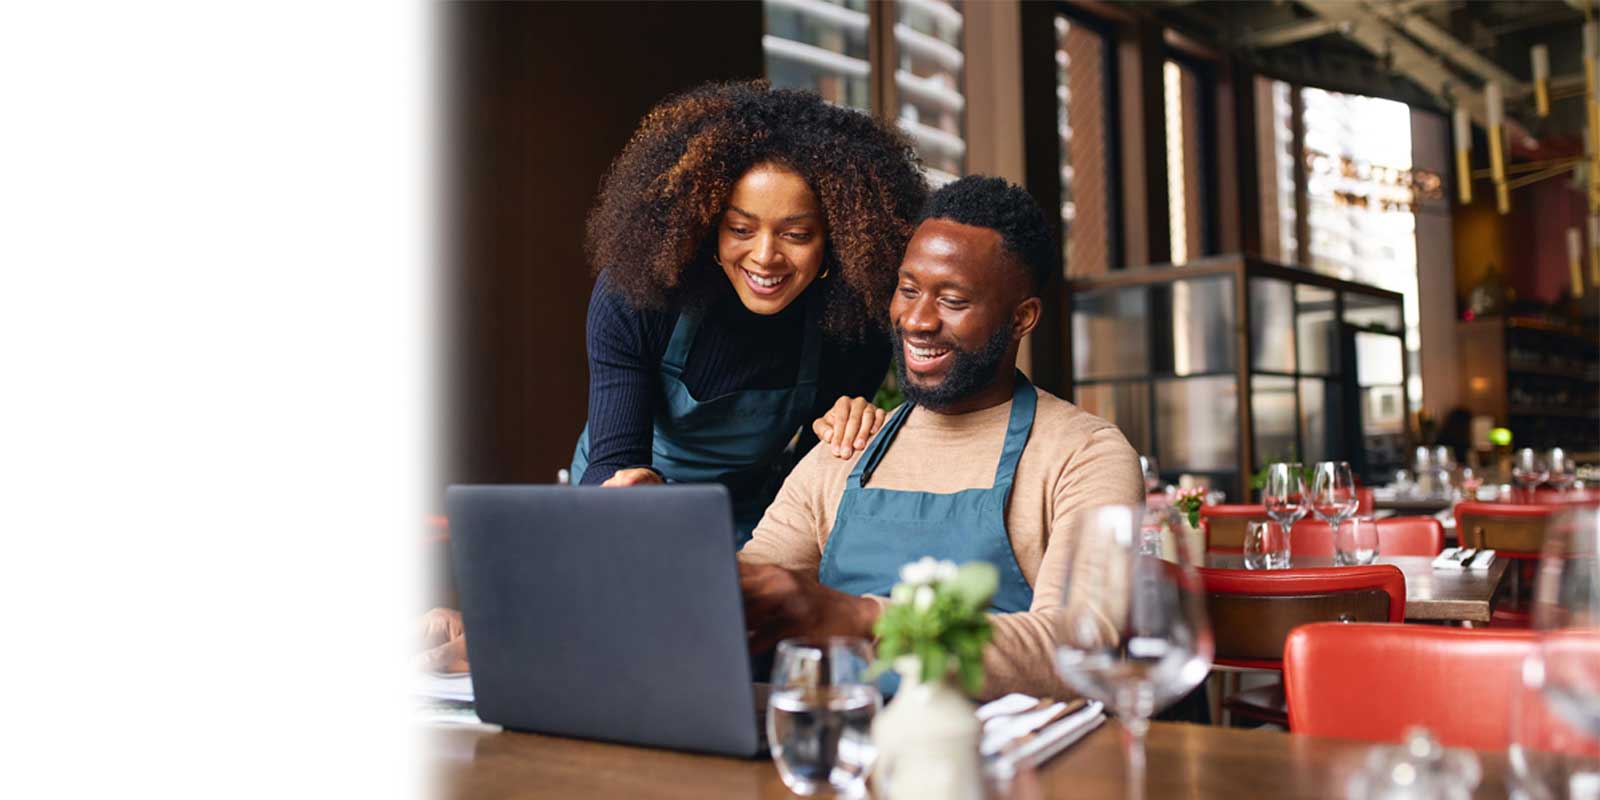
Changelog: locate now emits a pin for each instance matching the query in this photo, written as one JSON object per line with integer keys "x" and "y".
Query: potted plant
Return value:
{"x": 932, "y": 633}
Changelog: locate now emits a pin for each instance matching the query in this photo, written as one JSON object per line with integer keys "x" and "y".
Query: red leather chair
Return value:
{"x": 1224, "y": 525}
{"x": 1397, "y": 536}
{"x": 1366, "y": 501}
{"x": 1375, "y": 681}
{"x": 1253, "y": 611}
{"x": 1515, "y": 531}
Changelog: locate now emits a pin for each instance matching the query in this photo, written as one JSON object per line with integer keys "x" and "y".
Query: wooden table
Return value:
{"x": 1433, "y": 595}
{"x": 1184, "y": 761}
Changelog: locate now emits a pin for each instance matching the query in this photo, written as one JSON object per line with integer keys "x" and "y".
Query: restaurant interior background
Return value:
{"x": 1268, "y": 249}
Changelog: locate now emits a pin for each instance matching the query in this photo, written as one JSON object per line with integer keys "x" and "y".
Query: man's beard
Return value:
{"x": 970, "y": 371}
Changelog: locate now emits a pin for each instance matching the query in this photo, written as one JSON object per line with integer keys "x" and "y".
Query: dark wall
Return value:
{"x": 538, "y": 99}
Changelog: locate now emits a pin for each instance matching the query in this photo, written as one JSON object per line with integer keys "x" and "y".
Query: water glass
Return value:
{"x": 1355, "y": 542}
{"x": 1529, "y": 470}
{"x": 1333, "y": 493}
{"x": 1266, "y": 546}
{"x": 1556, "y": 727}
{"x": 819, "y": 715}
{"x": 1152, "y": 473}
{"x": 1131, "y": 630}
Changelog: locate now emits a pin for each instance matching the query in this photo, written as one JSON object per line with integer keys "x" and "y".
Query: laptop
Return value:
{"x": 610, "y": 614}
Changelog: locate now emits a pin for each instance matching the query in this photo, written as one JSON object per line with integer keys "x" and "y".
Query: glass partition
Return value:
{"x": 1272, "y": 325}
{"x": 1199, "y": 420}
{"x": 1110, "y": 333}
{"x": 1317, "y": 376}
{"x": 1197, "y": 338}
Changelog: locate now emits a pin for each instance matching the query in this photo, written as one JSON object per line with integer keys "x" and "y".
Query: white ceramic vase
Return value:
{"x": 927, "y": 740}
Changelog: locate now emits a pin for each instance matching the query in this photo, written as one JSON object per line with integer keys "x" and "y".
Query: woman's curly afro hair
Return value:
{"x": 653, "y": 227}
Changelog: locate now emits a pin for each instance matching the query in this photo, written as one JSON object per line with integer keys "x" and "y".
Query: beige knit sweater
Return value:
{"x": 1073, "y": 460}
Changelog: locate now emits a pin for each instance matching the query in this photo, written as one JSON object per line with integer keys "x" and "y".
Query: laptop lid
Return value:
{"x": 609, "y": 614}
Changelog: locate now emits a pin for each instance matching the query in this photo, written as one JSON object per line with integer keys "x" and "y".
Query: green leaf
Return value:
{"x": 972, "y": 674}
{"x": 933, "y": 662}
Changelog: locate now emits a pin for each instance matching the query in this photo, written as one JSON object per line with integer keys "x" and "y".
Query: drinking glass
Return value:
{"x": 1470, "y": 482}
{"x": 1355, "y": 542}
{"x": 1556, "y": 727}
{"x": 1563, "y": 470}
{"x": 1333, "y": 493}
{"x": 1131, "y": 628}
{"x": 1285, "y": 497}
{"x": 1529, "y": 470}
{"x": 1152, "y": 473}
{"x": 819, "y": 715}
{"x": 1266, "y": 546}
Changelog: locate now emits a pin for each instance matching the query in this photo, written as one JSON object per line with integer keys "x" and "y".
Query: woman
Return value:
{"x": 746, "y": 241}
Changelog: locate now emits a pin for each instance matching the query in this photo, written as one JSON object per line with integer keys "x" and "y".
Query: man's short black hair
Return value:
{"x": 986, "y": 202}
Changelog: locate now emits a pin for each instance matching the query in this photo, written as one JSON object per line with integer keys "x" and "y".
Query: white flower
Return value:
{"x": 946, "y": 571}
{"x": 919, "y": 572}
{"x": 924, "y": 598}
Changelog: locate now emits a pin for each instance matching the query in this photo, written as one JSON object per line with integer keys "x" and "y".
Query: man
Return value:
{"x": 980, "y": 466}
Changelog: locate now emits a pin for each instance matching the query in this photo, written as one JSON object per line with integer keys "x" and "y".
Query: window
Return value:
{"x": 1084, "y": 118}
{"x": 820, "y": 46}
{"x": 928, "y": 83}
{"x": 825, "y": 46}
{"x": 1189, "y": 160}
{"x": 1359, "y": 223}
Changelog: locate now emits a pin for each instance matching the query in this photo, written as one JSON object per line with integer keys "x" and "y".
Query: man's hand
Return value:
{"x": 638, "y": 476}
{"x": 781, "y": 603}
{"x": 849, "y": 425}
{"x": 445, "y": 641}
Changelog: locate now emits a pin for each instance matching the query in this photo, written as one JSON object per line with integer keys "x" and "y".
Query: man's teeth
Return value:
{"x": 767, "y": 282}
{"x": 926, "y": 353}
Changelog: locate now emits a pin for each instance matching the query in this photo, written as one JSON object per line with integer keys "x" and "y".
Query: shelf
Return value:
{"x": 1575, "y": 413}
{"x": 1550, "y": 372}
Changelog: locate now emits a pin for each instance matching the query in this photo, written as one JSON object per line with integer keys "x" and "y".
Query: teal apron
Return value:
{"x": 734, "y": 439}
{"x": 876, "y": 531}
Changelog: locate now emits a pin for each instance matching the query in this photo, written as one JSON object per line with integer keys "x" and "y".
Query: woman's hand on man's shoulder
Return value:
{"x": 849, "y": 425}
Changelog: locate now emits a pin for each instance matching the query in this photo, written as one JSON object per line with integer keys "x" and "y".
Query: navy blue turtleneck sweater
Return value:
{"x": 735, "y": 350}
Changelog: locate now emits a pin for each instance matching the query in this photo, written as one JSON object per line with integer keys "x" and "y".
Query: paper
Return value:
{"x": 453, "y": 686}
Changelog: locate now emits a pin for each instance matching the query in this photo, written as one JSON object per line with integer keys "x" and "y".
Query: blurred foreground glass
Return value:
{"x": 1528, "y": 470}
{"x": 1555, "y": 737}
{"x": 819, "y": 715}
{"x": 1333, "y": 493}
{"x": 1131, "y": 630}
{"x": 1266, "y": 546}
{"x": 1355, "y": 542}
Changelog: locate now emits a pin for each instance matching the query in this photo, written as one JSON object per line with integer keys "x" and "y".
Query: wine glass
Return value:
{"x": 819, "y": 714}
{"x": 1284, "y": 498}
{"x": 1556, "y": 727}
{"x": 1563, "y": 470}
{"x": 1152, "y": 473}
{"x": 1333, "y": 493}
{"x": 1529, "y": 470}
{"x": 1131, "y": 628}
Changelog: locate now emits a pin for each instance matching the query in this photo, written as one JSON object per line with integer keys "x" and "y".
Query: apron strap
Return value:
{"x": 1024, "y": 400}
{"x": 877, "y": 447}
{"x": 683, "y": 333}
